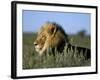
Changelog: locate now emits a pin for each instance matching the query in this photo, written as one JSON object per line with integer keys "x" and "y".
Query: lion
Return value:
{"x": 51, "y": 35}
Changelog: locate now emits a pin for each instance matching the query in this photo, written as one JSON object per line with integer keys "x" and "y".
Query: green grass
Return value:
{"x": 31, "y": 59}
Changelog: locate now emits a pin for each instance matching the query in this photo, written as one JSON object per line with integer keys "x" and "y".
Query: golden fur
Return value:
{"x": 51, "y": 35}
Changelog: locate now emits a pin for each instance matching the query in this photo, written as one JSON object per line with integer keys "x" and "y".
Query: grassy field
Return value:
{"x": 31, "y": 59}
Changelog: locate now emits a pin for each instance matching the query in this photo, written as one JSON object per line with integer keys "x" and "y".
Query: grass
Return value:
{"x": 31, "y": 59}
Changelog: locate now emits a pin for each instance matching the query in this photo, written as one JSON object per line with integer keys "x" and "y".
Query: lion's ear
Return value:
{"x": 53, "y": 30}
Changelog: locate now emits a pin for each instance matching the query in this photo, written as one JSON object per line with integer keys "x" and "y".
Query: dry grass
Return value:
{"x": 71, "y": 58}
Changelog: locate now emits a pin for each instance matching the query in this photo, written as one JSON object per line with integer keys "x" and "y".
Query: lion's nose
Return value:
{"x": 35, "y": 43}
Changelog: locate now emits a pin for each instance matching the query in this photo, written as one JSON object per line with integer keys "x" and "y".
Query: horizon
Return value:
{"x": 71, "y": 22}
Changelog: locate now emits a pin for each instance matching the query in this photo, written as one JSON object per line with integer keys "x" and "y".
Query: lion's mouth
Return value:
{"x": 38, "y": 48}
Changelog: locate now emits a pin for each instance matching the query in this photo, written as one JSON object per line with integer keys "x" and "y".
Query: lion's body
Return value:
{"x": 85, "y": 51}
{"x": 51, "y": 35}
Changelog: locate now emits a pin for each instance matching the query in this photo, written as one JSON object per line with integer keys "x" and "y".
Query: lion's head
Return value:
{"x": 51, "y": 35}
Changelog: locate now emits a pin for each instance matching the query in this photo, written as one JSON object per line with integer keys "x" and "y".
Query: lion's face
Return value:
{"x": 40, "y": 41}
{"x": 48, "y": 37}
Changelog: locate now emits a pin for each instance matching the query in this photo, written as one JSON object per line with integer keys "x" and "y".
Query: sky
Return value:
{"x": 71, "y": 22}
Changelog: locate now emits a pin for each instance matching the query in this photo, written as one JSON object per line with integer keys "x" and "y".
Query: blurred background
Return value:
{"x": 72, "y": 23}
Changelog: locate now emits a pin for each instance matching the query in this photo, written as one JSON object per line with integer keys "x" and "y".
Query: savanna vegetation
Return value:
{"x": 31, "y": 59}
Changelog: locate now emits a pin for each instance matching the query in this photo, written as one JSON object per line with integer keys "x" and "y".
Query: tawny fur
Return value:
{"x": 51, "y": 35}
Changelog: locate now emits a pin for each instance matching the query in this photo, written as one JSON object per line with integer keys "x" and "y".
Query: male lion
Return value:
{"x": 51, "y": 35}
